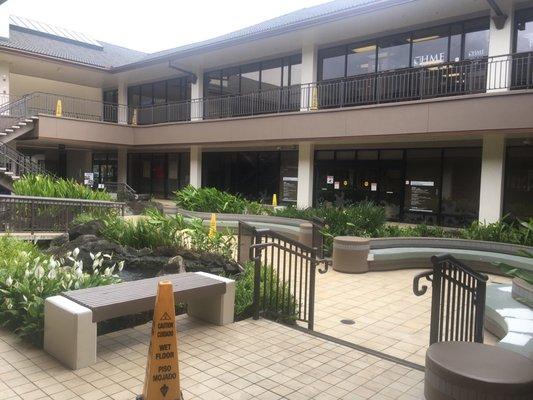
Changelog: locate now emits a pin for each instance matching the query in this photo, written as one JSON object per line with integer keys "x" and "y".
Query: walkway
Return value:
{"x": 246, "y": 360}
{"x": 388, "y": 316}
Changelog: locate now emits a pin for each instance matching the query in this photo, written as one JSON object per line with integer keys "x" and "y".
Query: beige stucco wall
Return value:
{"x": 24, "y": 84}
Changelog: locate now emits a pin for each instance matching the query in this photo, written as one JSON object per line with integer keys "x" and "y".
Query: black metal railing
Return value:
{"x": 506, "y": 72}
{"x": 284, "y": 275}
{"x": 457, "y": 300}
{"x": 18, "y": 164}
{"x": 44, "y": 214}
{"x": 122, "y": 190}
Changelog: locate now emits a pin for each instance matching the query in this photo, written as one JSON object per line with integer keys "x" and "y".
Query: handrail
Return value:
{"x": 508, "y": 71}
{"x": 24, "y": 164}
{"x": 61, "y": 200}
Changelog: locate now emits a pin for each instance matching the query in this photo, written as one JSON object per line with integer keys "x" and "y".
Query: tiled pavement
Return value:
{"x": 246, "y": 360}
{"x": 388, "y": 316}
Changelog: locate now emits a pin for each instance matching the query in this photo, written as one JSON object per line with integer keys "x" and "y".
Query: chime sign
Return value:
{"x": 162, "y": 379}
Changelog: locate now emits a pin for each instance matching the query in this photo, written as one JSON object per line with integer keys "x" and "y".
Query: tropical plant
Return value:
{"x": 47, "y": 186}
{"x": 214, "y": 200}
{"x": 244, "y": 295}
{"x": 30, "y": 279}
{"x": 505, "y": 231}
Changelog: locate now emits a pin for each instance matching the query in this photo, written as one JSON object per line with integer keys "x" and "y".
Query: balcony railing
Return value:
{"x": 507, "y": 72}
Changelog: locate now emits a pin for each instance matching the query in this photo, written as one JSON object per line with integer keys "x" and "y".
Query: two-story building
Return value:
{"x": 424, "y": 106}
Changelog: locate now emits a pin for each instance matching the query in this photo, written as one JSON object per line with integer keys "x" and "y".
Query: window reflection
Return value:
{"x": 393, "y": 53}
{"x": 361, "y": 60}
{"x": 333, "y": 63}
{"x": 430, "y": 47}
{"x": 524, "y": 31}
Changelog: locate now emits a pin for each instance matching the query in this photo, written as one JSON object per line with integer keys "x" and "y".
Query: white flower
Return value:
{"x": 8, "y": 304}
{"x": 76, "y": 252}
{"x": 52, "y": 274}
{"x": 52, "y": 263}
{"x": 91, "y": 255}
{"x": 39, "y": 272}
{"x": 9, "y": 281}
{"x": 121, "y": 265}
{"x": 107, "y": 272}
{"x": 27, "y": 273}
{"x": 78, "y": 272}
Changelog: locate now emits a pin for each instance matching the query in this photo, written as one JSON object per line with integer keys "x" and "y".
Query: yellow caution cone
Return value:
{"x": 134, "y": 117}
{"x": 314, "y": 99}
{"x": 162, "y": 379}
{"x": 275, "y": 200}
{"x": 213, "y": 225}
{"x": 59, "y": 108}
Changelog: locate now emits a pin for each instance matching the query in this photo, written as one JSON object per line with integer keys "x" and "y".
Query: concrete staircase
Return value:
{"x": 12, "y": 128}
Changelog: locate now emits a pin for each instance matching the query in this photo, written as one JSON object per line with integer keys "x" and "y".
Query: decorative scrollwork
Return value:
{"x": 326, "y": 263}
{"x": 416, "y": 282}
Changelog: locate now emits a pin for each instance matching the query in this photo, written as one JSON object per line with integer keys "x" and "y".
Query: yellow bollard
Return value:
{"x": 162, "y": 379}
{"x": 59, "y": 108}
{"x": 213, "y": 225}
{"x": 134, "y": 117}
{"x": 275, "y": 200}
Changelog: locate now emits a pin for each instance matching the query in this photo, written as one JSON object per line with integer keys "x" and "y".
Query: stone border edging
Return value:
{"x": 451, "y": 243}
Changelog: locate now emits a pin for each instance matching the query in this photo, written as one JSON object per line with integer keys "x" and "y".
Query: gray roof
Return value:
{"x": 114, "y": 57}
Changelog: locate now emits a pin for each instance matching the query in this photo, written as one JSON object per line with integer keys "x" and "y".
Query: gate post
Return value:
{"x": 311, "y": 322}
{"x": 257, "y": 280}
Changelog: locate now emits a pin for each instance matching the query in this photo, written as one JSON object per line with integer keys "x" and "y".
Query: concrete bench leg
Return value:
{"x": 216, "y": 310}
{"x": 69, "y": 332}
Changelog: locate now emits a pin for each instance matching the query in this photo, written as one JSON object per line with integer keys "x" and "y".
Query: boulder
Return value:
{"x": 87, "y": 228}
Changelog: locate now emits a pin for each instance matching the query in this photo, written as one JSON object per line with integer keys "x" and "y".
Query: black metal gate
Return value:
{"x": 284, "y": 275}
{"x": 458, "y": 300}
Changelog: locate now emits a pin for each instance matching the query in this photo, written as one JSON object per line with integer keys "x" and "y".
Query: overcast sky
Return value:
{"x": 154, "y": 24}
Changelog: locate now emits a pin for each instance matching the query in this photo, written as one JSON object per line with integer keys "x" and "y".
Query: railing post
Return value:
{"x": 480, "y": 311}
{"x": 312, "y": 269}
{"x": 32, "y": 217}
{"x": 256, "y": 256}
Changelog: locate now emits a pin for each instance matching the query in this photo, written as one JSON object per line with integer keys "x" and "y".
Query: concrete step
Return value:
{"x": 3, "y": 169}
{"x": 9, "y": 173}
{"x": 15, "y": 127}
{"x": 34, "y": 117}
{"x": 22, "y": 123}
{"x": 9, "y": 130}
{"x": 3, "y": 134}
{"x": 15, "y": 177}
{"x": 28, "y": 120}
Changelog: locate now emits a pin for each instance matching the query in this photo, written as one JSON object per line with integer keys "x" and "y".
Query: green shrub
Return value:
{"x": 32, "y": 278}
{"x": 15, "y": 252}
{"x": 216, "y": 201}
{"x": 502, "y": 231}
{"x": 244, "y": 295}
{"x": 155, "y": 230}
{"x": 46, "y": 186}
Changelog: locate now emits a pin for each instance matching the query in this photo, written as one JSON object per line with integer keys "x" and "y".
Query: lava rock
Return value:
{"x": 87, "y": 228}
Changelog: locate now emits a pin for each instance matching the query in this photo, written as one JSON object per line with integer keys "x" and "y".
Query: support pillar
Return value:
{"x": 306, "y": 157}
{"x": 492, "y": 175}
{"x": 197, "y": 94}
{"x": 122, "y": 165}
{"x": 196, "y": 167}
{"x": 122, "y": 103}
{"x": 500, "y": 47}
{"x": 309, "y": 77}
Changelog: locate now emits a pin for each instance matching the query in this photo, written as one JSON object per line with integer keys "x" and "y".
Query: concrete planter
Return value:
{"x": 522, "y": 291}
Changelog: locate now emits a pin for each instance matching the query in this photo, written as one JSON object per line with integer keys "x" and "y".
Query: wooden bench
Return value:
{"x": 70, "y": 319}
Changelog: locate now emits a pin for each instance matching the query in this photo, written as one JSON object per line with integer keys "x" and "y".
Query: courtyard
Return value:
{"x": 387, "y": 316}
{"x": 246, "y": 360}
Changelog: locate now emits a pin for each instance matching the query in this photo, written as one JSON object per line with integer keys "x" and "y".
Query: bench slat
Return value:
{"x": 128, "y": 298}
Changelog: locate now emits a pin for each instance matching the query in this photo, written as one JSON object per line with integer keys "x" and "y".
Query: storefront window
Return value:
{"x": 461, "y": 171}
{"x": 361, "y": 60}
{"x": 524, "y": 31}
{"x": 518, "y": 196}
{"x": 430, "y": 47}
{"x": 422, "y": 185}
{"x": 393, "y": 53}
{"x": 333, "y": 63}
{"x": 105, "y": 167}
{"x": 476, "y": 39}
{"x": 158, "y": 174}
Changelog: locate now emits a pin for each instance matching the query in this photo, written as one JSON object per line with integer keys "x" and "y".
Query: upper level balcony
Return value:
{"x": 508, "y": 72}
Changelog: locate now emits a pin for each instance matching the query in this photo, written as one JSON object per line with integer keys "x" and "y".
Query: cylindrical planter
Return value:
{"x": 306, "y": 234}
{"x": 350, "y": 254}
{"x": 522, "y": 291}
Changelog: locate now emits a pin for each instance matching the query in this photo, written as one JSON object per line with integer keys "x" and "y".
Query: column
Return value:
{"x": 5, "y": 8}
{"x": 122, "y": 103}
{"x": 500, "y": 46}
{"x": 197, "y": 94}
{"x": 492, "y": 174}
{"x": 309, "y": 77}
{"x": 306, "y": 158}
{"x": 195, "y": 172}
{"x": 122, "y": 165}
